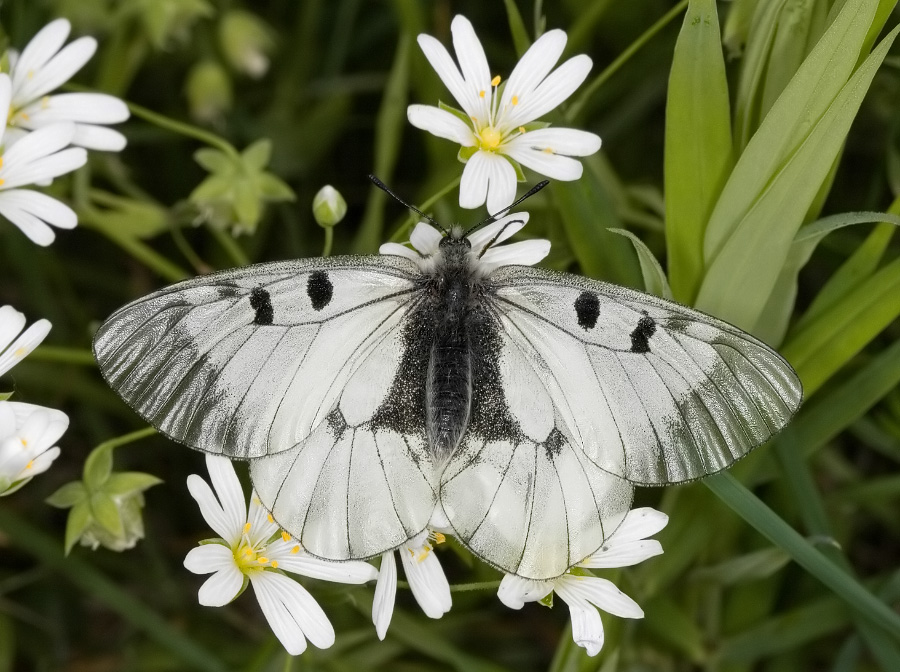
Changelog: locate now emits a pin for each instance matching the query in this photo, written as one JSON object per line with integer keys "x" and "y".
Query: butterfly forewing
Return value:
{"x": 247, "y": 362}
{"x": 650, "y": 390}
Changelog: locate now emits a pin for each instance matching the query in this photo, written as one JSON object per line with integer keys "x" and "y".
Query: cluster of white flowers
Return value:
{"x": 46, "y": 136}
{"x": 27, "y": 432}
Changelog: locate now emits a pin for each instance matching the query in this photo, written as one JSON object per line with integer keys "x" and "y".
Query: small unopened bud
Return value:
{"x": 329, "y": 207}
{"x": 209, "y": 92}
{"x": 246, "y": 42}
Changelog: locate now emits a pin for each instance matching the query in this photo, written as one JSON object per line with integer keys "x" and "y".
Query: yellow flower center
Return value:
{"x": 489, "y": 138}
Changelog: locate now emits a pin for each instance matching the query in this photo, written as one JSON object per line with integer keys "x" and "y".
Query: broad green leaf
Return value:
{"x": 97, "y": 467}
{"x": 827, "y": 342}
{"x": 698, "y": 154}
{"x": 68, "y": 495}
{"x": 517, "y": 27}
{"x": 736, "y": 29}
{"x": 388, "y": 140}
{"x": 742, "y": 275}
{"x": 773, "y": 322}
{"x": 587, "y": 211}
{"x": 858, "y": 267}
{"x": 654, "y": 278}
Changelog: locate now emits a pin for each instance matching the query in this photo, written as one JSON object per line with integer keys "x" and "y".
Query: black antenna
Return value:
{"x": 381, "y": 185}
{"x": 497, "y": 215}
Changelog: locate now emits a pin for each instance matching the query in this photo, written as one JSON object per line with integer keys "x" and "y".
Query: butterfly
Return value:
{"x": 446, "y": 386}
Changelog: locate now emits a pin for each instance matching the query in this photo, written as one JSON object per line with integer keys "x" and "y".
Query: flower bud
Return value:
{"x": 209, "y": 92}
{"x": 246, "y": 42}
{"x": 329, "y": 207}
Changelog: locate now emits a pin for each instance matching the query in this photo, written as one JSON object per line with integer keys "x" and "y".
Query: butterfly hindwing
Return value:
{"x": 650, "y": 390}
{"x": 248, "y": 362}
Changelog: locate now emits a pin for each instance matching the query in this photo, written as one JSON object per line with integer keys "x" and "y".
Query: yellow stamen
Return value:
{"x": 247, "y": 528}
{"x": 24, "y": 116}
{"x": 521, "y": 129}
{"x": 20, "y": 352}
{"x": 295, "y": 550}
{"x": 45, "y": 102}
{"x": 285, "y": 536}
{"x": 262, "y": 560}
{"x": 495, "y": 81}
{"x": 271, "y": 519}
{"x": 31, "y": 74}
{"x": 548, "y": 150}
{"x": 30, "y": 464}
{"x": 515, "y": 100}
{"x": 2, "y": 181}
{"x": 248, "y": 551}
{"x": 24, "y": 442}
{"x": 439, "y": 538}
{"x": 1, "y": 161}
{"x": 481, "y": 94}
{"x": 274, "y": 564}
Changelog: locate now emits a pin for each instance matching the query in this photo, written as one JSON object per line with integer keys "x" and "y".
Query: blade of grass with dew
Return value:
{"x": 773, "y": 322}
{"x": 698, "y": 154}
{"x": 829, "y": 341}
{"x": 47, "y": 550}
{"x": 587, "y": 212}
{"x": 388, "y": 135}
{"x": 654, "y": 278}
{"x": 743, "y": 272}
{"x": 773, "y": 527}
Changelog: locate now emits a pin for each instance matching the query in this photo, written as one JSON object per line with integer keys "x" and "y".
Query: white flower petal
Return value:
{"x": 212, "y": 511}
{"x": 38, "y": 144}
{"x": 24, "y": 344}
{"x": 42, "y": 206}
{"x": 5, "y": 95}
{"x": 626, "y": 554}
{"x": 525, "y": 253}
{"x": 42, "y": 462}
{"x": 38, "y": 51}
{"x": 222, "y": 587}
{"x": 552, "y": 165}
{"x": 425, "y": 238}
{"x": 600, "y": 592}
{"x": 301, "y": 606}
{"x": 36, "y": 230}
{"x": 515, "y": 591}
{"x": 567, "y": 141}
{"x": 261, "y": 525}
{"x": 89, "y": 108}
{"x": 473, "y": 63}
{"x": 502, "y": 184}
{"x": 230, "y": 494}
{"x": 559, "y": 85}
{"x": 98, "y": 138}
{"x": 399, "y": 250}
{"x": 441, "y": 123}
{"x": 351, "y": 571}
{"x": 209, "y": 558}
{"x": 7, "y": 416}
{"x": 11, "y": 324}
{"x": 426, "y": 580}
{"x": 56, "y": 72}
{"x": 535, "y": 64}
{"x": 639, "y": 524}
{"x": 587, "y": 626}
{"x": 473, "y": 185}
{"x": 506, "y": 227}
{"x": 385, "y": 594}
{"x": 446, "y": 69}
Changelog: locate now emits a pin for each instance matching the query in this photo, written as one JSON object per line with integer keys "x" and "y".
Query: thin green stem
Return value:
{"x": 131, "y": 437}
{"x": 329, "y": 240}
{"x": 183, "y": 129}
{"x": 575, "y": 109}
{"x": 50, "y": 353}
{"x": 413, "y": 218}
{"x": 478, "y": 585}
{"x": 232, "y": 249}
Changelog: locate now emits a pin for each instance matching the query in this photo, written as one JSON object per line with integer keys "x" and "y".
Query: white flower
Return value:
{"x": 426, "y": 580}
{"x": 499, "y": 125}
{"x": 27, "y": 433}
{"x": 11, "y": 324}
{"x": 37, "y": 157}
{"x": 43, "y": 66}
{"x": 251, "y": 549}
{"x": 627, "y": 546}
{"x": 426, "y": 239}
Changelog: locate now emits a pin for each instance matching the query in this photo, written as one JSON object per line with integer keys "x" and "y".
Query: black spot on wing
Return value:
{"x": 337, "y": 425}
{"x": 640, "y": 337}
{"x": 262, "y": 304}
{"x": 554, "y": 443}
{"x": 587, "y": 308}
{"x": 319, "y": 289}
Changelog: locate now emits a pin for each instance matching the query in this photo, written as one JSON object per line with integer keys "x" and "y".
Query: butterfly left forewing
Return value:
{"x": 650, "y": 390}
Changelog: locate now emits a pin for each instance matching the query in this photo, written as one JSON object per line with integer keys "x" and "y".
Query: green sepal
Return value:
{"x": 5, "y": 396}
{"x": 256, "y": 156}
{"x": 547, "y": 600}
{"x": 214, "y": 540}
{"x": 520, "y": 174}
{"x": 466, "y": 153}
{"x": 212, "y": 160}
{"x": 15, "y": 485}
{"x": 97, "y": 467}
{"x": 68, "y": 495}
{"x": 243, "y": 588}
{"x": 128, "y": 482}
{"x": 462, "y": 116}
{"x": 106, "y": 513}
{"x": 77, "y": 523}
{"x": 535, "y": 125}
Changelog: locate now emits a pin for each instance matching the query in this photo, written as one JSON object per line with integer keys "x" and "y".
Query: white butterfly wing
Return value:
{"x": 650, "y": 390}
{"x": 248, "y": 362}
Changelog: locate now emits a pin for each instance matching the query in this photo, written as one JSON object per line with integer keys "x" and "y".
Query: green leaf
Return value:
{"x": 517, "y": 27}
{"x": 98, "y": 467}
{"x": 746, "y": 250}
{"x": 773, "y": 322}
{"x": 257, "y": 156}
{"x": 698, "y": 154}
{"x": 827, "y": 342}
{"x": 106, "y": 513}
{"x": 128, "y": 482}
{"x": 654, "y": 278}
{"x": 77, "y": 523}
{"x": 68, "y": 495}
{"x": 737, "y": 26}
{"x": 753, "y": 566}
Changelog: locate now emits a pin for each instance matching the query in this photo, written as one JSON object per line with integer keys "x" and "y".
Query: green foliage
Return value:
{"x": 727, "y": 159}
